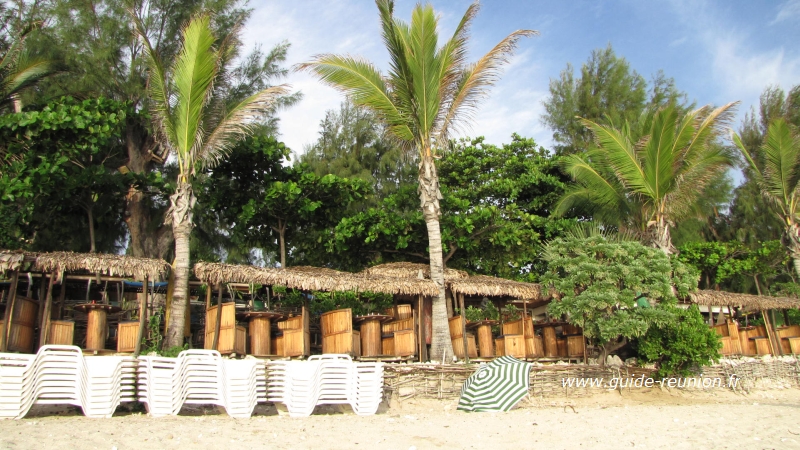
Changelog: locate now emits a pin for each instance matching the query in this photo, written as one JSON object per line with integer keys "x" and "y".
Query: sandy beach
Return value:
{"x": 651, "y": 418}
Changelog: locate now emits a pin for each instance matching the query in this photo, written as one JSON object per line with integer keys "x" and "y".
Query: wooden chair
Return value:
{"x": 729, "y": 336}
{"x": 294, "y": 336}
{"x": 232, "y": 338}
{"x": 338, "y": 335}
{"x": 457, "y": 341}
{"x": 403, "y": 312}
{"x": 398, "y": 337}
{"x": 534, "y": 346}
{"x": 784, "y": 334}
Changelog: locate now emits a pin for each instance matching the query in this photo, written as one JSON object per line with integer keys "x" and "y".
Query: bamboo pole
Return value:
{"x": 10, "y": 301}
{"x": 48, "y": 305}
{"x": 218, "y": 323}
{"x": 142, "y": 317}
{"x": 463, "y": 326}
{"x": 420, "y": 320}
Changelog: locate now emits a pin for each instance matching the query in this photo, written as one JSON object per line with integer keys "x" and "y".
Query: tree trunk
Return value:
{"x": 661, "y": 237}
{"x": 429, "y": 196}
{"x": 180, "y": 216}
{"x": 149, "y": 237}
{"x": 90, "y": 217}
{"x": 282, "y": 239}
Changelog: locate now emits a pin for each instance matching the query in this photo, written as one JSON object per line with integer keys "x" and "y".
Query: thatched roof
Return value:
{"x": 11, "y": 260}
{"x": 96, "y": 263}
{"x": 411, "y": 270}
{"x": 483, "y": 285}
{"x": 311, "y": 279}
{"x": 748, "y": 301}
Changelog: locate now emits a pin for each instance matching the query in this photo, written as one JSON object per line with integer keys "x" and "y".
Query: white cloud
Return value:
{"x": 789, "y": 10}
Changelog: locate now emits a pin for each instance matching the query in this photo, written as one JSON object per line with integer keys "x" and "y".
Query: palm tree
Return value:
{"x": 426, "y": 94}
{"x": 776, "y": 169}
{"x": 647, "y": 177}
{"x": 18, "y": 71}
{"x": 198, "y": 128}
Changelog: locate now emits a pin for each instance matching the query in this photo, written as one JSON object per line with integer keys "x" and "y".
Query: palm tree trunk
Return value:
{"x": 90, "y": 218}
{"x": 662, "y": 238}
{"x": 791, "y": 240}
{"x": 429, "y": 196}
{"x": 180, "y": 215}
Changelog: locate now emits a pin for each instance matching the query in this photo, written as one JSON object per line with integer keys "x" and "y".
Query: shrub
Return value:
{"x": 679, "y": 346}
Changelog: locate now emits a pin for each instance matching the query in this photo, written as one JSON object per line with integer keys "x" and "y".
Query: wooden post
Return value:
{"x": 62, "y": 296}
{"x": 48, "y": 305}
{"x": 217, "y": 326}
{"x": 524, "y": 326}
{"x": 420, "y": 321}
{"x": 142, "y": 317}
{"x": 11, "y": 299}
{"x": 208, "y": 296}
{"x": 463, "y": 326}
{"x": 770, "y": 332}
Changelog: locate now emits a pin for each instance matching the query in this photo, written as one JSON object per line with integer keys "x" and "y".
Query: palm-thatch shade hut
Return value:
{"x": 312, "y": 279}
{"x": 411, "y": 270}
{"x": 747, "y": 301}
{"x": 59, "y": 263}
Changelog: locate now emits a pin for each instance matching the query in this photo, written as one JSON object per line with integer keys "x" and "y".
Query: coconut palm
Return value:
{"x": 648, "y": 176}
{"x": 198, "y": 128}
{"x": 428, "y": 91}
{"x": 776, "y": 169}
{"x": 18, "y": 71}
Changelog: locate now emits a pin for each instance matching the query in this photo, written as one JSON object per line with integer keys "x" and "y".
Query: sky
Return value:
{"x": 717, "y": 51}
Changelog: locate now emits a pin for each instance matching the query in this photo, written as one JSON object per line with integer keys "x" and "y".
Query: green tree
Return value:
{"x": 752, "y": 220}
{"x": 426, "y": 92}
{"x": 776, "y": 170}
{"x": 608, "y": 286}
{"x": 59, "y": 176}
{"x": 102, "y": 55}
{"x": 198, "y": 128}
{"x": 607, "y": 91}
{"x": 498, "y": 200}
{"x": 353, "y": 142}
{"x": 651, "y": 175}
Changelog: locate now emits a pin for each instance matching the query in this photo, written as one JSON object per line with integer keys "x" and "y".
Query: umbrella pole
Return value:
{"x": 142, "y": 314}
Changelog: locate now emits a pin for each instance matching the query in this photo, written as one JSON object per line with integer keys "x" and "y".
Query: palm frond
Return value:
{"x": 157, "y": 87}
{"x": 475, "y": 80}
{"x": 621, "y": 156}
{"x": 657, "y": 155}
{"x": 362, "y": 82}
{"x": 235, "y": 124}
{"x": 781, "y": 157}
{"x": 193, "y": 76}
{"x": 425, "y": 69}
{"x": 593, "y": 191}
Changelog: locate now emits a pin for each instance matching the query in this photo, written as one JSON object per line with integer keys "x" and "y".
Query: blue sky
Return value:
{"x": 717, "y": 51}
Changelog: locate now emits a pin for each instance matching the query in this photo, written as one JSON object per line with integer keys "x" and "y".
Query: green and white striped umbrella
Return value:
{"x": 496, "y": 386}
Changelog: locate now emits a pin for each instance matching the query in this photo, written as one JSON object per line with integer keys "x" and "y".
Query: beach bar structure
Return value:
{"x": 339, "y": 333}
{"x": 474, "y": 339}
{"x": 746, "y": 339}
{"x": 23, "y": 315}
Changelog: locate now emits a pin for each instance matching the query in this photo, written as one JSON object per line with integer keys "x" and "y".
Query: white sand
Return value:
{"x": 644, "y": 419}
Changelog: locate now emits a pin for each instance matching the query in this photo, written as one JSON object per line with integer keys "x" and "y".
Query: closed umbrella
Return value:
{"x": 496, "y": 386}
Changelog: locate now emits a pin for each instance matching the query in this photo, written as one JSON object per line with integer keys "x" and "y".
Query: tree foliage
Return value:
{"x": 680, "y": 345}
{"x": 607, "y": 91}
{"x": 59, "y": 172}
{"x": 647, "y": 176}
{"x": 608, "y": 287}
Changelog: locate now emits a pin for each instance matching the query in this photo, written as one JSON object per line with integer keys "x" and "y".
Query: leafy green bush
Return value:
{"x": 608, "y": 286}
{"x": 678, "y": 346}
